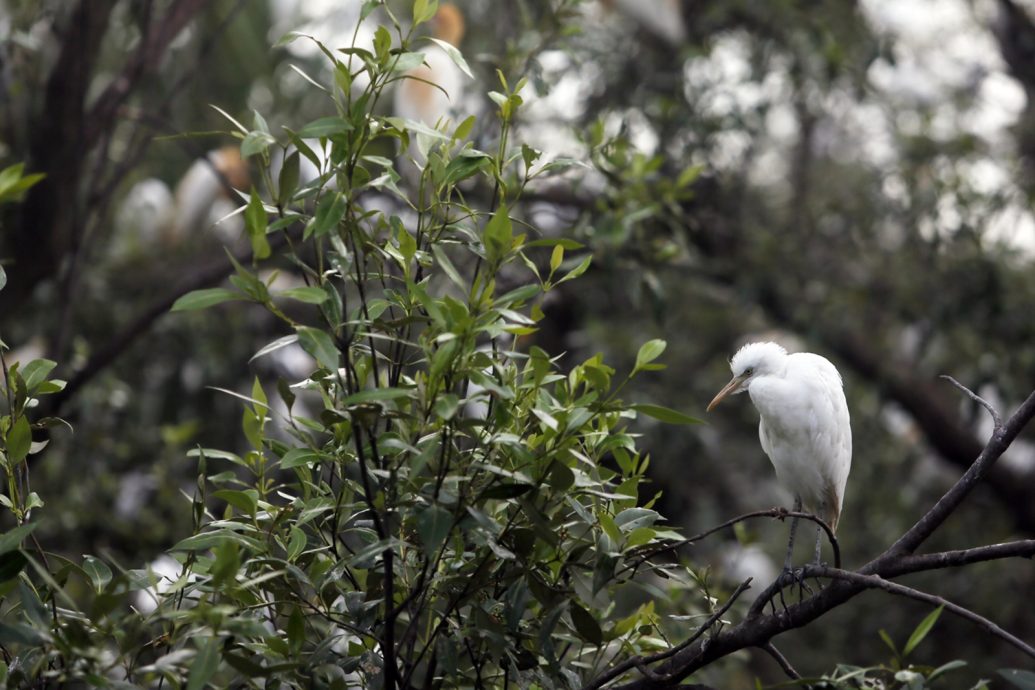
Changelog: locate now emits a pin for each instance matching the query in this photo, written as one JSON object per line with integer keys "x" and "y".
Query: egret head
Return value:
{"x": 751, "y": 361}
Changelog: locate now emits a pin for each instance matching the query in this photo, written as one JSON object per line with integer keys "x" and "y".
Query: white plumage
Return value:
{"x": 805, "y": 427}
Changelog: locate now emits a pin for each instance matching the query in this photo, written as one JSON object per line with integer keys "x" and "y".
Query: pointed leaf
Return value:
{"x": 665, "y": 414}
{"x": 649, "y": 352}
{"x": 255, "y": 221}
{"x": 455, "y": 56}
{"x": 921, "y": 630}
{"x": 205, "y": 663}
{"x": 586, "y": 625}
{"x": 98, "y": 572}
{"x": 202, "y": 299}
{"x": 19, "y": 439}
{"x": 12, "y": 539}
{"x": 320, "y": 345}
{"x": 433, "y": 527}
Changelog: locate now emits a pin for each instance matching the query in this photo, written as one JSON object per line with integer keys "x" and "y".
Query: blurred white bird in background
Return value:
{"x": 203, "y": 199}
{"x": 663, "y": 18}
{"x": 804, "y": 429}
{"x": 431, "y": 92}
{"x": 151, "y": 217}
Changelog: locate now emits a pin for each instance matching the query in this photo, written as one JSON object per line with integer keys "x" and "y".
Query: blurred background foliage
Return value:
{"x": 849, "y": 178}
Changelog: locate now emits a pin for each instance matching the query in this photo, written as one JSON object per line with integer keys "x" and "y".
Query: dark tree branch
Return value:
{"x": 914, "y": 563}
{"x": 203, "y": 277}
{"x": 997, "y": 421}
{"x": 50, "y": 214}
{"x": 770, "y": 649}
{"x": 877, "y": 582}
{"x": 147, "y": 56}
{"x": 640, "y": 662}
{"x": 926, "y": 525}
{"x": 777, "y": 513}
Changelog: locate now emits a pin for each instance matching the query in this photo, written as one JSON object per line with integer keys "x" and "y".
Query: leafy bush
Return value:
{"x": 455, "y": 508}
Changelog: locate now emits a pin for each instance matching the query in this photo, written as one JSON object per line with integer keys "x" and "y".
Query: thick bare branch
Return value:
{"x": 926, "y": 525}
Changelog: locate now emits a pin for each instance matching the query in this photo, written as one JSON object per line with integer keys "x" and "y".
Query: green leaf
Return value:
{"x": 11, "y": 563}
{"x": 309, "y": 295}
{"x": 36, "y": 371}
{"x": 12, "y": 539}
{"x": 203, "y": 299}
{"x": 205, "y": 663}
{"x": 3, "y": 278}
{"x": 665, "y": 414}
{"x": 433, "y": 526}
{"x": 463, "y": 130}
{"x": 325, "y": 127}
{"x": 98, "y": 572}
{"x": 287, "y": 180}
{"x": 376, "y": 395}
{"x": 921, "y": 631}
{"x": 455, "y": 56}
{"x": 255, "y": 222}
{"x": 1025, "y": 680}
{"x": 446, "y": 405}
{"x": 423, "y": 10}
{"x": 633, "y": 518}
{"x": 556, "y": 257}
{"x": 649, "y": 352}
{"x": 298, "y": 457}
{"x": 296, "y": 543}
{"x": 320, "y": 345}
{"x": 245, "y": 501}
{"x": 465, "y": 166}
{"x": 283, "y": 341}
{"x": 498, "y": 236}
{"x": 256, "y": 142}
{"x": 577, "y": 271}
{"x": 888, "y": 641}
{"x": 329, "y": 213}
{"x": 443, "y": 260}
{"x": 586, "y": 625}
{"x": 19, "y": 439}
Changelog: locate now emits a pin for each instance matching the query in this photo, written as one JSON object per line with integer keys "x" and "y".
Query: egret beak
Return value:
{"x": 732, "y": 387}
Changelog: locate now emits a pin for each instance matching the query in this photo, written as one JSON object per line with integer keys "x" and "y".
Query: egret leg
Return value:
{"x": 819, "y": 545}
{"x": 794, "y": 528}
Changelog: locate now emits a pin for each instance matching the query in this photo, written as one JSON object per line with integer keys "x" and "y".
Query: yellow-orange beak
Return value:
{"x": 732, "y": 387}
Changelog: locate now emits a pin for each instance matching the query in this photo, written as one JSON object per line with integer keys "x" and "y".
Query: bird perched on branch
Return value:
{"x": 804, "y": 429}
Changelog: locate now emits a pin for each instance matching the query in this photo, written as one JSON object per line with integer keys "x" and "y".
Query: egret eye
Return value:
{"x": 749, "y": 371}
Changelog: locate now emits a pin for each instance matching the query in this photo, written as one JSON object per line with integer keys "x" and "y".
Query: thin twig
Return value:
{"x": 877, "y": 582}
{"x": 777, "y": 513}
{"x": 997, "y": 421}
{"x": 770, "y": 649}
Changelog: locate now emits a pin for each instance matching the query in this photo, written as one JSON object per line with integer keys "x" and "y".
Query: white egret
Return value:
{"x": 804, "y": 429}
